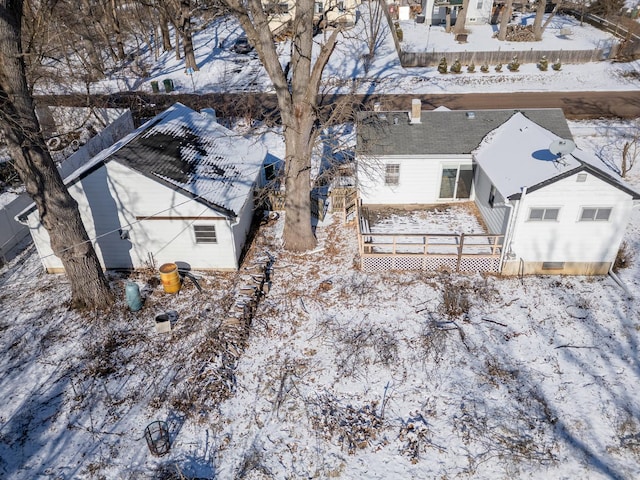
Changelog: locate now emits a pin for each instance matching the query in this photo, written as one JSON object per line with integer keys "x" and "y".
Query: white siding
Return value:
{"x": 419, "y": 183}
{"x": 116, "y": 200}
{"x": 567, "y": 239}
{"x": 496, "y": 217}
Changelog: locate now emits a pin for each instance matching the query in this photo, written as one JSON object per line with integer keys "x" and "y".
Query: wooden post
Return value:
{"x": 460, "y": 252}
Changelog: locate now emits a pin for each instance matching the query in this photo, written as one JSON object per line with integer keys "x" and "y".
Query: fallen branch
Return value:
{"x": 575, "y": 346}
{"x": 493, "y": 321}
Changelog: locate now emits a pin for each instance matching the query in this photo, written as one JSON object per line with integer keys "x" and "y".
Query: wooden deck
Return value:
{"x": 477, "y": 252}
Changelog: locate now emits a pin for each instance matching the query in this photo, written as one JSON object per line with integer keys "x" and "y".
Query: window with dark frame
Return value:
{"x": 392, "y": 174}
{"x": 492, "y": 196}
{"x": 595, "y": 214}
{"x": 543, "y": 214}
{"x": 205, "y": 233}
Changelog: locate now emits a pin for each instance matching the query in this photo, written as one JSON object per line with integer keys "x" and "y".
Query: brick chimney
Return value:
{"x": 416, "y": 110}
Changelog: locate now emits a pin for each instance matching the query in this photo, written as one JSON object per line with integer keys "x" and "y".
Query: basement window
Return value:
{"x": 543, "y": 214}
{"x": 552, "y": 265}
{"x": 595, "y": 214}
{"x": 392, "y": 174}
{"x": 205, "y": 233}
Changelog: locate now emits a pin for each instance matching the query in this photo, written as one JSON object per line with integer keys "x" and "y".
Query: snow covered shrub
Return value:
{"x": 484, "y": 68}
{"x": 499, "y": 67}
{"x": 557, "y": 65}
{"x": 471, "y": 68}
{"x": 456, "y": 67}
{"x": 442, "y": 66}
{"x": 513, "y": 65}
{"x": 543, "y": 64}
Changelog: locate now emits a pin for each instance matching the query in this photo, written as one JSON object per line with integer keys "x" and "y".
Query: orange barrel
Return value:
{"x": 170, "y": 278}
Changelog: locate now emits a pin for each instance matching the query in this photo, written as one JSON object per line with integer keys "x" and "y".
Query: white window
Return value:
{"x": 595, "y": 214}
{"x": 479, "y": 5}
{"x": 392, "y": 174}
{"x": 205, "y": 233}
{"x": 492, "y": 196}
{"x": 543, "y": 214}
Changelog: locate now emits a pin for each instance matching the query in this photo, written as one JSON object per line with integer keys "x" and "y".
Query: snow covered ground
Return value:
{"x": 340, "y": 374}
{"x": 222, "y": 70}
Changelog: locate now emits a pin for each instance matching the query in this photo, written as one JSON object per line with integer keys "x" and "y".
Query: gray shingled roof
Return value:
{"x": 189, "y": 152}
{"x": 446, "y": 132}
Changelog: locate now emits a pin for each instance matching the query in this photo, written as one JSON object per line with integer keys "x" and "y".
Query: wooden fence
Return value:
{"x": 275, "y": 200}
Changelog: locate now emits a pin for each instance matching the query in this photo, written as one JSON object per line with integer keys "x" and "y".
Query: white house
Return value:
{"x": 558, "y": 214}
{"x": 178, "y": 189}
{"x": 478, "y": 11}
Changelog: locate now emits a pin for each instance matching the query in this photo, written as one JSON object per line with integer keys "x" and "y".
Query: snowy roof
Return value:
{"x": 441, "y": 132}
{"x": 191, "y": 153}
{"x": 517, "y": 155}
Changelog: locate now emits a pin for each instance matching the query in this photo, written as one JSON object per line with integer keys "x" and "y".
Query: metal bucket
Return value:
{"x": 170, "y": 277}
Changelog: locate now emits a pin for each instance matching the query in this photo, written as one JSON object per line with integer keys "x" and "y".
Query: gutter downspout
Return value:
{"x": 511, "y": 225}
{"x": 620, "y": 282}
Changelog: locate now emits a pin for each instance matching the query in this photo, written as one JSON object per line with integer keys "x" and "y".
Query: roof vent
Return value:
{"x": 210, "y": 112}
{"x": 416, "y": 110}
{"x": 471, "y": 115}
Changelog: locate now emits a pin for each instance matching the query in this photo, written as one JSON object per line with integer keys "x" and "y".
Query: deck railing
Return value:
{"x": 462, "y": 252}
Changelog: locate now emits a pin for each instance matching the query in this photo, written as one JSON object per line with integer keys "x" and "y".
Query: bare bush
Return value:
{"x": 414, "y": 435}
{"x": 623, "y": 257}
{"x": 358, "y": 345}
{"x": 354, "y": 428}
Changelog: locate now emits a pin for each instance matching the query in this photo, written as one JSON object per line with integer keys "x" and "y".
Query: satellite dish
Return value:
{"x": 561, "y": 147}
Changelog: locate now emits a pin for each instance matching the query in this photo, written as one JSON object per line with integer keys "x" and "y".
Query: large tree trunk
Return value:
{"x": 187, "y": 35}
{"x": 461, "y": 18}
{"x": 115, "y": 23}
{"x": 164, "y": 29}
{"x": 504, "y": 19}
{"x": 298, "y": 103}
{"x": 537, "y": 22}
{"x": 58, "y": 211}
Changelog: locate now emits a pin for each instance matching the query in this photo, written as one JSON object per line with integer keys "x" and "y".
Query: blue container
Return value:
{"x": 134, "y": 300}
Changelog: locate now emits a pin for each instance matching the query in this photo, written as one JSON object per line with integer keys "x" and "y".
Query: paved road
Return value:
{"x": 576, "y": 105}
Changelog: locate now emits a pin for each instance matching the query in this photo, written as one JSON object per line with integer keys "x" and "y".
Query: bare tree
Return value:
{"x": 58, "y": 210}
{"x": 630, "y": 151}
{"x": 297, "y": 97}
{"x": 374, "y": 22}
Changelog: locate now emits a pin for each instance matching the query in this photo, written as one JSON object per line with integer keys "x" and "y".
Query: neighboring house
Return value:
{"x": 558, "y": 214}
{"x": 435, "y": 11}
{"x": 326, "y": 12}
{"x": 178, "y": 189}
{"x": 117, "y": 123}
